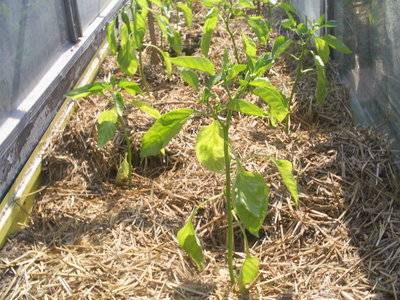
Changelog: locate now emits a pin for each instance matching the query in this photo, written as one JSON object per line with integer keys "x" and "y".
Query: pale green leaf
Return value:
{"x": 189, "y": 242}
{"x": 249, "y": 271}
{"x": 119, "y": 104}
{"x": 251, "y": 200}
{"x": 88, "y": 90}
{"x": 107, "y": 123}
{"x": 337, "y": 44}
{"x": 285, "y": 169}
{"x": 163, "y": 130}
{"x": 126, "y": 55}
{"x": 111, "y": 38}
{"x": 167, "y": 62}
{"x": 129, "y": 86}
{"x": 235, "y": 70}
{"x": 278, "y": 106}
{"x": 190, "y": 78}
{"x": 187, "y": 12}
{"x": 210, "y": 147}
{"x": 321, "y": 91}
{"x": 192, "y": 62}
{"x": 208, "y": 29}
{"x": 247, "y": 108}
{"x": 147, "y": 108}
{"x": 260, "y": 27}
{"x": 250, "y": 47}
{"x": 281, "y": 44}
{"x": 322, "y": 49}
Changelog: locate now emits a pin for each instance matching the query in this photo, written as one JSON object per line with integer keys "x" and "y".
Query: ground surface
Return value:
{"x": 90, "y": 238}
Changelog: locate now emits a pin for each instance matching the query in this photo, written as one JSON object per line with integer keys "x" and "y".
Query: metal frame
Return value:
{"x": 73, "y": 20}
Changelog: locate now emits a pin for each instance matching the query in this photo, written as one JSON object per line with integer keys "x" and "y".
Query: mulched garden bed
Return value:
{"x": 91, "y": 238}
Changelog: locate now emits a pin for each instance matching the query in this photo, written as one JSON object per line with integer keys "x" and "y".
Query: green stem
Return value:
{"x": 142, "y": 74}
{"x": 128, "y": 145}
{"x": 229, "y": 237}
{"x": 299, "y": 69}
{"x": 232, "y": 37}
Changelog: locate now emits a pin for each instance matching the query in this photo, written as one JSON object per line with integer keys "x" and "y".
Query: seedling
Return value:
{"x": 247, "y": 194}
{"x": 313, "y": 43}
{"x": 112, "y": 120}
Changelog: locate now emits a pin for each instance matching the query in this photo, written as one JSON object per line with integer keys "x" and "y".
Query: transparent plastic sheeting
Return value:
{"x": 310, "y": 9}
{"x": 89, "y": 10}
{"x": 32, "y": 34}
{"x": 371, "y": 28}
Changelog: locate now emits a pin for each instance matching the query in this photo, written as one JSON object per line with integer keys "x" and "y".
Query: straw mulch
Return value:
{"x": 91, "y": 238}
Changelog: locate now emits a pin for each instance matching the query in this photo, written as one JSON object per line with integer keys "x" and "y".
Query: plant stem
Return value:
{"x": 142, "y": 74}
{"x": 128, "y": 145}
{"x": 299, "y": 69}
{"x": 229, "y": 206}
{"x": 228, "y": 29}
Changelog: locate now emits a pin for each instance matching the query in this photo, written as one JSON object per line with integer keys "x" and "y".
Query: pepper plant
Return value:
{"x": 246, "y": 192}
{"x": 112, "y": 120}
{"x": 315, "y": 43}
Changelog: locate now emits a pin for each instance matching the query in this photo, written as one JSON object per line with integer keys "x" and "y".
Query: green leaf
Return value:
{"x": 208, "y": 29}
{"x": 88, "y": 90}
{"x": 174, "y": 40}
{"x": 126, "y": 20}
{"x": 187, "y": 12}
{"x": 167, "y": 62}
{"x": 235, "y": 70}
{"x": 322, "y": 49}
{"x": 251, "y": 200}
{"x": 123, "y": 170}
{"x": 321, "y": 91}
{"x": 278, "y": 106}
{"x": 130, "y": 87}
{"x": 139, "y": 25}
{"x": 163, "y": 130}
{"x": 192, "y": 62}
{"x": 107, "y": 123}
{"x": 260, "y": 27}
{"x": 245, "y": 4}
{"x": 190, "y": 78}
{"x": 285, "y": 169}
{"x": 336, "y": 44}
{"x": 249, "y": 46}
{"x": 260, "y": 82}
{"x": 111, "y": 38}
{"x": 211, "y": 3}
{"x": 281, "y": 44}
{"x": 119, "y": 104}
{"x": 246, "y": 107}
{"x": 210, "y": 147}
{"x": 249, "y": 271}
{"x": 147, "y": 108}
{"x": 126, "y": 55}
{"x": 189, "y": 242}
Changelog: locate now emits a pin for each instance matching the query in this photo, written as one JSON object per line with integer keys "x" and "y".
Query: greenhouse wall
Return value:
{"x": 372, "y": 30}
{"x": 44, "y": 47}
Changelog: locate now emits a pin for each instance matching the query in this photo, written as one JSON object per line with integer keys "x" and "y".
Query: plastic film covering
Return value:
{"x": 32, "y": 35}
{"x": 371, "y": 28}
{"x": 90, "y": 9}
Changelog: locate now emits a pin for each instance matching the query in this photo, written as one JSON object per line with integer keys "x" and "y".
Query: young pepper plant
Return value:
{"x": 313, "y": 42}
{"x": 112, "y": 120}
{"x": 246, "y": 192}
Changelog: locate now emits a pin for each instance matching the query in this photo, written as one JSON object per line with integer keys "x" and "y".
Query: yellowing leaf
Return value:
{"x": 322, "y": 49}
{"x": 246, "y": 107}
{"x": 210, "y": 147}
{"x": 147, "y": 108}
{"x": 123, "y": 171}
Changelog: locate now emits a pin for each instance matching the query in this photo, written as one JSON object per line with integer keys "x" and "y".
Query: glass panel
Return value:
{"x": 32, "y": 34}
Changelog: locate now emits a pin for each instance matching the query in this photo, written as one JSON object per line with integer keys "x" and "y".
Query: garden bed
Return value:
{"x": 90, "y": 237}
